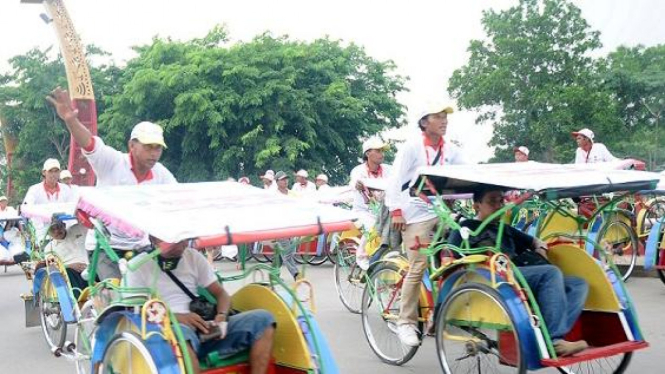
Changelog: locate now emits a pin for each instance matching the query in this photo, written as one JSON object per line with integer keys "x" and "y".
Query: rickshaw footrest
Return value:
{"x": 596, "y": 352}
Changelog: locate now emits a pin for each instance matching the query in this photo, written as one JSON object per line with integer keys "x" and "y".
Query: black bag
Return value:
{"x": 529, "y": 258}
{"x": 199, "y": 304}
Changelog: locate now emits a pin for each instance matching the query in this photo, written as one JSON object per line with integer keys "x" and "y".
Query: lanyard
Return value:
{"x": 377, "y": 174}
{"x": 588, "y": 154}
{"x": 437, "y": 160}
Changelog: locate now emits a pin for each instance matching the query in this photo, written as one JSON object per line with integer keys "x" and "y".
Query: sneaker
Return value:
{"x": 407, "y": 335}
{"x": 565, "y": 348}
{"x": 363, "y": 262}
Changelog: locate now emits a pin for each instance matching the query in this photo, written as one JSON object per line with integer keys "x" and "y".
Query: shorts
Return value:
{"x": 243, "y": 330}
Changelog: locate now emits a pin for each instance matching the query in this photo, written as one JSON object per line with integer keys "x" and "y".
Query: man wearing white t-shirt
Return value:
{"x": 49, "y": 190}
{"x": 371, "y": 168}
{"x": 587, "y": 151}
{"x": 252, "y": 330}
{"x": 321, "y": 182}
{"x": 140, "y": 166}
{"x": 69, "y": 246}
{"x": 303, "y": 185}
{"x": 411, "y": 214}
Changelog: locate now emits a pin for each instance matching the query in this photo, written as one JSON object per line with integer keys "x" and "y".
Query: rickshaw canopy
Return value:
{"x": 549, "y": 181}
{"x": 213, "y": 213}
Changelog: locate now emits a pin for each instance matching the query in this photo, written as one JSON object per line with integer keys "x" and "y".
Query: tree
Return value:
{"x": 636, "y": 76}
{"x": 534, "y": 81}
{"x": 268, "y": 103}
{"x": 31, "y": 120}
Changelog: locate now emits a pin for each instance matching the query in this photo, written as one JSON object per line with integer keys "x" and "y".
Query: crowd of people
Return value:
{"x": 255, "y": 330}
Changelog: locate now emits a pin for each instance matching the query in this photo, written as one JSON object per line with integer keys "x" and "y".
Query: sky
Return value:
{"x": 426, "y": 39}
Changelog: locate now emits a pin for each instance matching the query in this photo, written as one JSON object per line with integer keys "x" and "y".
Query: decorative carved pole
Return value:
{"x": 79, "y": 82}
{"x": 10, "y": 145}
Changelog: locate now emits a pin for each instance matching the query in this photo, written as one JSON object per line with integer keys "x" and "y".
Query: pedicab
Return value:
{"x": 54, "y": 298}
{"x": 486, "y": 318}
{"x": 16, "y": 241}
{"x": 135, "y": 331}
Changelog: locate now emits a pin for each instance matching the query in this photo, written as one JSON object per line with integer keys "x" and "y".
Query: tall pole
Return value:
{"x": 79, "y": 85}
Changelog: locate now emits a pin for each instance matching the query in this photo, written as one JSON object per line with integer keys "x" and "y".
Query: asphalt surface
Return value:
{"x": 23, "y": 350}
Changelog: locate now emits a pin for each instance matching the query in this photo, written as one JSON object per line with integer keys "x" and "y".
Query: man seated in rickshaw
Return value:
{"x": 560, "y": 298}
{"x": 251, "y": 330}
{"x": 69, "y": 245}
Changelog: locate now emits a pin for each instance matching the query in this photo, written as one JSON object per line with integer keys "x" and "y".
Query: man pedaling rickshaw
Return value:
{"x": 561, "y": 298}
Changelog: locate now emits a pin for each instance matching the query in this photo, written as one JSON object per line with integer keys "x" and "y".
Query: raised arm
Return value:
{"x": 62, "y": 103}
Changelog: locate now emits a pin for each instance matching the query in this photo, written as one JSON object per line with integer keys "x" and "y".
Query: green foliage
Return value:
{"x": 28, "y": 117}
{"x": 268, "y": 103}
{"x": 534, "y": 81}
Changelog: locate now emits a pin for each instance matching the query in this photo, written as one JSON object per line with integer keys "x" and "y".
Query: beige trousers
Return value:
{"x": 408, "y": 314}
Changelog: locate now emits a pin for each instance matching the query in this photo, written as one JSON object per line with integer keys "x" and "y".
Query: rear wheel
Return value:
{"x": 51, "y": 319}
{"x": 349, "y": 278}
{"x": 604, "y": 365}
{"x": 621, "y": 244}
{"x": 381, "y": 303}
{"x": 475, "y": 333}
{"x": 126, "y": 353}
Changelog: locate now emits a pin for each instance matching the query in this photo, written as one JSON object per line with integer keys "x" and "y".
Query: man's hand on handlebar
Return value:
{"x": 399, "y": 223}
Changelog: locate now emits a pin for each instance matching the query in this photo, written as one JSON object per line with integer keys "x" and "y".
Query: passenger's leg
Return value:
{"x": 261, "y": 351}
{"x": 546, "y": 283}
{"x": 577, "y": 291}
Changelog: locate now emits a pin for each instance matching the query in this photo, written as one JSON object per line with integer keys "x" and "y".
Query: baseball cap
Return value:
{"x": 50, "y": 164}
{"x": 302, "y": 173}
{"x": 374, "y": 143}
{"x": 584, "y": 132}
{"x": 522, "y": 149}
{"x": 244, "y": 180}
{"x": 269, "y": 175}
{"x": 65, "y": 174}
{"x": 3, "y": 198}
{"x": 148, "y": 133}
{"x": 322, "y": 177}
{"x": 280, "y": 175}
{"x": 434, "y": 107}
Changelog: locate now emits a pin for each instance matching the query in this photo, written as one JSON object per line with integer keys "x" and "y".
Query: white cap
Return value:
{"x": 522, "y": 149}
{"x": 432, "y": 108}
{"x": 584, "y": 132}
{"x": 3, "y": 198}
{"x": 65, "y": 174}
{"x": 322, "y": 177}
{"x": 50, "y": 164}
{"x": 302, "y": 173}
{"x": 269, "y": 175}
{"x": 374, "y": 143}
{"x": 148, "y": 133}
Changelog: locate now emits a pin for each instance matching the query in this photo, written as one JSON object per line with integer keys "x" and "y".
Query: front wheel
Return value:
{"x": 605, "y": 365}
{"x": 83, "y": 338}
{"x": 380, "y": 310}
{"x": 51, "y": 319}
{"x": 475, "y": 333}
{"x": 126, "y": 353}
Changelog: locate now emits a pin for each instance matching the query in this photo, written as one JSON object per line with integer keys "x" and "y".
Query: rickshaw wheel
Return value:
{"x": 614, "y": 364}
{"x": 85, "y": 329}
{"x": 51, "y": 319}
{"x": 623, "y": 246}
{"x": 661, "y": 274}
{"x": 468, "y": 341}
{"x": 348, "y": 278}
{"x": 126, "y": 353}
{"x": 380, "y": 310}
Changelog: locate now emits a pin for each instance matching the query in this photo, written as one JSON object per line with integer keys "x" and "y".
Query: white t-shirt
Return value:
{"x": 361, "y": 172}
{"x": 597, "y": 153}
{"x": 71, "y": 249}
{"x": 410, "y": 156}
{"x": 114, "y": 168}
{"x": 323, "y": 188}
{"x": 300, "y": 189}
{"x": 193, "y": 270}
{"x": 37, "y": 195}
{"x": 9, "y": 212}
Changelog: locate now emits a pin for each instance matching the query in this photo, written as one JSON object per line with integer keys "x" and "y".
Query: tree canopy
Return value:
{"x": 268, "y": 103}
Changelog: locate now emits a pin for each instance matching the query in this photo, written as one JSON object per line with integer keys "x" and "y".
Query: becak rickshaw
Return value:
{"x": 136, "y": 332}
{"x": 486, "y": 316}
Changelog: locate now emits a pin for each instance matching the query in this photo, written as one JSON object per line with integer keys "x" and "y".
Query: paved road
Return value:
{"x": 23, "y": 350}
